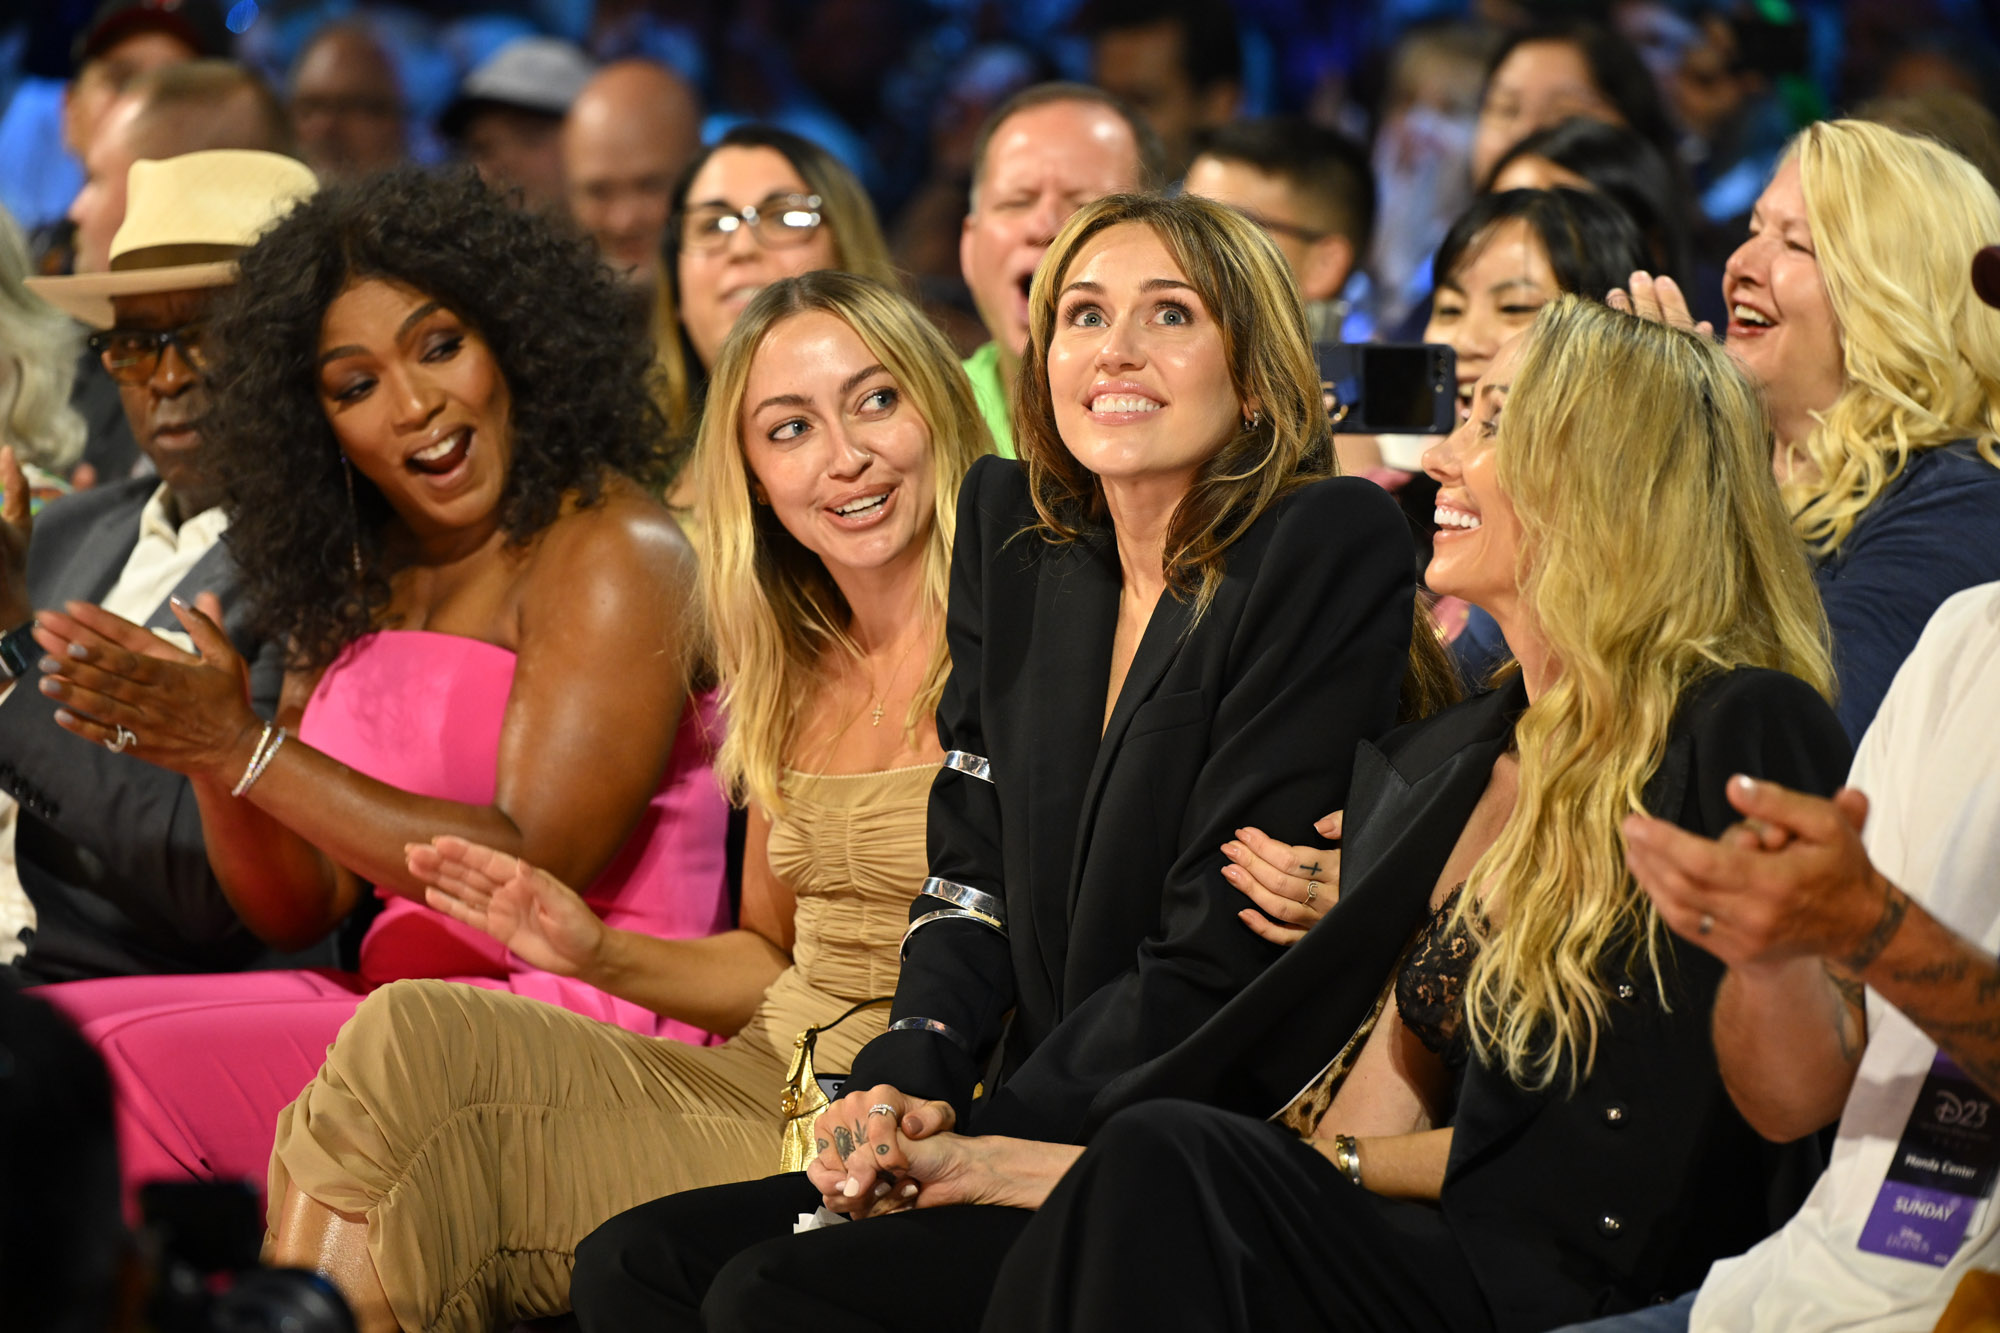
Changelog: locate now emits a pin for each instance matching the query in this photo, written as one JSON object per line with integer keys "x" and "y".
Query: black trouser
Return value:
{"x": 1184, "y": 1217}
{"x": 724, "y": 1259}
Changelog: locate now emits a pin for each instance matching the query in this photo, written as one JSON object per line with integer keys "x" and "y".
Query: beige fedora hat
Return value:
{"x": 187, "y": 218}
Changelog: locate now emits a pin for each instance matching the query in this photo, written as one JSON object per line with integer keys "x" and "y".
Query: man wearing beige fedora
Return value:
{"x": 102, "y": 868}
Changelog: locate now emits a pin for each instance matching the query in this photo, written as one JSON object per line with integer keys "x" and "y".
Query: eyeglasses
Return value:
{"x": 1292, "y": 229}
{"x": 133, "y": 355}
{"x": 779, "y": 221}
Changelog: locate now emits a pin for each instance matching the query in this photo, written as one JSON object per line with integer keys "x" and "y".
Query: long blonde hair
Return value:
{"x": 772, "y": 612}
{"x": 1656, "y": 551}
{"x": 1895, "y": 220}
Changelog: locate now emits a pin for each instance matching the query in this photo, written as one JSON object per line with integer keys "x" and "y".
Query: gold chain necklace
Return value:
{"x": 881, "y": 698}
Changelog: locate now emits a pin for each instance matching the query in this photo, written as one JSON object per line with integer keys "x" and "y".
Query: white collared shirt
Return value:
{"x": 163, "y": 557}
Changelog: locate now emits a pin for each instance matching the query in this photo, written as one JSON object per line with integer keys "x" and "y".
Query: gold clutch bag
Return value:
{"x": 805, "y": 1096}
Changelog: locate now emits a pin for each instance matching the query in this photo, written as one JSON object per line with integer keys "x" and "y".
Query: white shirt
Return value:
{"x": 163, "y": 557}
{"x": 1930, "y": 768}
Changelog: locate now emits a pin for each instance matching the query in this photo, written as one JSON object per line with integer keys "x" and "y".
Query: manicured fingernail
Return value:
{"x": 850, "y": 1187}
{"x": 178, "y": 602}
{"x": 64, "y": 717}
{"x": 1232, "y": 874}
{"x": 909, "y": 1191}
{"x": 48, "y": 666}
{"x": 79, "y": 652}
{"x": 52, "y": 687}
{"x": 882, "y": 1190}
{"x": 1744, "y": 782}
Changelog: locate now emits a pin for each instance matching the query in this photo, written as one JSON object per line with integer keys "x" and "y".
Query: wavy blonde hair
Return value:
{"x": 1251, "y": 294}
{"x": 772, "y": 612}
{"x": 1656, "y": 551}
{"x": 1895, "y": 219}
{"x": 38, "y": 352}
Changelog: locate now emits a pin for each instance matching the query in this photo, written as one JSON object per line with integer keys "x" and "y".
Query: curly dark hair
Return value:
{"x": 571, "y": 343}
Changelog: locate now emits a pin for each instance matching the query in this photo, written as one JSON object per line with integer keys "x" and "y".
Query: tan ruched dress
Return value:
{"x": 483, "y": 1135}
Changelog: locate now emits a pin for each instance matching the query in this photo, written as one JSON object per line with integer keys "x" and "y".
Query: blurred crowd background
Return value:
{"x": 898, "y": 88}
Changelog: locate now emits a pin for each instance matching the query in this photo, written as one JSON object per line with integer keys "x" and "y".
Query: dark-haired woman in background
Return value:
{"x": 438, "y": 441}
{"x": 1546, "y": 73}
{"x": 757, "y": 205}
{"x": 1598, "y": 157}
{"x": 1505, "y": 258}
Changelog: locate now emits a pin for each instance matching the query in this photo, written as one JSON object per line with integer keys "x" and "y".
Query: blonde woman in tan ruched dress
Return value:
{"x": 459, "y": 1142}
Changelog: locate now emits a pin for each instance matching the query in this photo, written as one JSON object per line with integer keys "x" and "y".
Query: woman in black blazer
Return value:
{"x": 1523, "y": 1125}
{"x": 1167, "y": 624}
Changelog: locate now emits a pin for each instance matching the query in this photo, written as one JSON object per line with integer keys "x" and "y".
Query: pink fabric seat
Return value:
{"x": 201, "y": 1065}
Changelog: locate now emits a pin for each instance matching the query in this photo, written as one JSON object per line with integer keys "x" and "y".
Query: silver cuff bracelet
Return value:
{"x": 945, "y": 1030}
{"x": 947, "y": 914}
{"x": 970, "y": 764}
{"x": 964, "y": 895}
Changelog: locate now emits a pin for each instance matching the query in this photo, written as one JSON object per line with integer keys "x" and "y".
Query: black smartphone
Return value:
{"x": 1389, "y": 388}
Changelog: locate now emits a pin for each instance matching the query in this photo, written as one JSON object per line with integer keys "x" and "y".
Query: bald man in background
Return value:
{"x": 625, "y": 140}
{"x": 180, "y": 108}
{"x": 184, "y": 108}
{"x": 347, "y": 104}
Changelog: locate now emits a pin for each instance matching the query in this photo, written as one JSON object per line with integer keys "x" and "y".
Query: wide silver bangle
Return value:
{"x": 964, "y": 895}
{"x": 1347, "y": 1159}
{"x": 947, "y": 914}
{"x": 970, "y": 764}
{"x": 945, "y": 1030}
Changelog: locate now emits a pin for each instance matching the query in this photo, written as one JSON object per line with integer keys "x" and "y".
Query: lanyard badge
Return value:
{"x": 1942, "y": 1172}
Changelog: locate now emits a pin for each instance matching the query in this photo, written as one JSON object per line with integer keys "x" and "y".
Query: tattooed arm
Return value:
{"x": 1804, "y": 921}
{"x": 1945, "y": 984}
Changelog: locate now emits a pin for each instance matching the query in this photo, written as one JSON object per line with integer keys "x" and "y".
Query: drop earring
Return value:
{"x": 353, "y": 514}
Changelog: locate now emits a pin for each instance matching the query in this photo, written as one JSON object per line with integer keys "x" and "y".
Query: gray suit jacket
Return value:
{"x": 110, "y": 847}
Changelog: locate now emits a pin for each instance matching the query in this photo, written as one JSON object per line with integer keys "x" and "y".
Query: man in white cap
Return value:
{"x": 102, "y": 867}
{"x": 508, "y": 114}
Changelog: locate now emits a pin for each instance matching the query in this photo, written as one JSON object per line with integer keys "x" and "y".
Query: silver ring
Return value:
{"x": 1705, "y": 925}
{"x": 1312, "y": 891}
{"x": 118, "y": 743}
{"x": 882, "y": 1108}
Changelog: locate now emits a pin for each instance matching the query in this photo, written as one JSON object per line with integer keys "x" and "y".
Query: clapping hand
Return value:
{"x": 17, "y": 524}
{"x": 541, "y": 920}
{"x": 123, "y": 685}
{"x": 1792, "y": 880}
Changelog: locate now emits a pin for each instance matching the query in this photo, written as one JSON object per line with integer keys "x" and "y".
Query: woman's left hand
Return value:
{"x": 1658, "y": 299}
{"x": 189, "y": 712}
{"x": 1292, "y": 887}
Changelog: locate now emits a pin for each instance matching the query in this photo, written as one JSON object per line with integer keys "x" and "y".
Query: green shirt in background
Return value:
{"x": 990, "y": 392}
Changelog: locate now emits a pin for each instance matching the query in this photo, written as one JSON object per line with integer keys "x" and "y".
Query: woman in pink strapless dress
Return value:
{"x": 486, "y": 607}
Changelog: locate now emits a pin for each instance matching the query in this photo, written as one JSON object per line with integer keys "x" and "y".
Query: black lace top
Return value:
{"x": 1430, "y": 988}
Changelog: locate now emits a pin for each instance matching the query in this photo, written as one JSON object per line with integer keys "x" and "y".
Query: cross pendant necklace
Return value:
{"x": 882, "y": 699}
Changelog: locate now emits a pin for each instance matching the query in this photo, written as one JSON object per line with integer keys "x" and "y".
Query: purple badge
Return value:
{"x": 1944, "y": 1166}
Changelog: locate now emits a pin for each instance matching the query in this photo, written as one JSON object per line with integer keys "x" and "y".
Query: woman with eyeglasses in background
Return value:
{"x": 757, "y": 205}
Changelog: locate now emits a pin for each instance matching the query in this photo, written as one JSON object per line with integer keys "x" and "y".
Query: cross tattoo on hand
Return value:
{"x": 1312, "y": 869}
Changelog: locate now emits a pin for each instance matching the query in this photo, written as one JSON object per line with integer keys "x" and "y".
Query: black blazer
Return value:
{"x": 1568, "y": 1206}
{"x": 1121, "y": 934}
{"x": 110, "y": 848}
